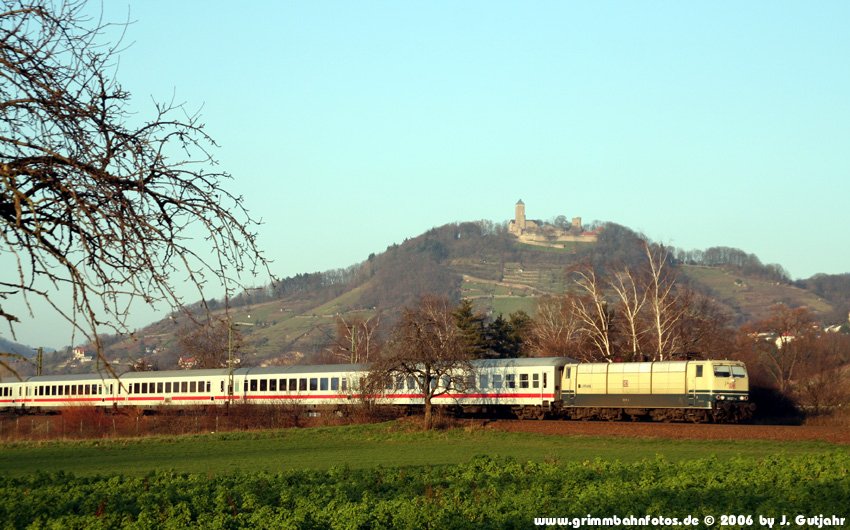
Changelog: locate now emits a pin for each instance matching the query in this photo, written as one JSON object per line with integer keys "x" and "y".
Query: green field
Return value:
{"x": 394, "y": 476}
{"x": 393, "y": 444}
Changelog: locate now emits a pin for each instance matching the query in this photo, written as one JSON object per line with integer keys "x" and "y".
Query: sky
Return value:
{"x": 350, "y": 126}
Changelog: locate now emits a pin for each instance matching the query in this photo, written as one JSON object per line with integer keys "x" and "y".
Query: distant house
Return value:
{"x": 80, "y": 355}
{"x": 187, "y": 363}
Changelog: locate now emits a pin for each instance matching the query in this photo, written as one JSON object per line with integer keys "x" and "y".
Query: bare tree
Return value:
{"x": 427, "y": 347}
{"x": 782, "y": 341}
{"x": 110, "y": 211}
{"x": 356, "y": 339}
{"x": 211, "y": 342}
{"x": 662, "y": 302}
{"x": 594, "y": 314}
{"x": 555, "y": 329}
{"x": 632, "y": 299}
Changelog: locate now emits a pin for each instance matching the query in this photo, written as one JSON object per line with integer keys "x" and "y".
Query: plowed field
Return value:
{"x": 681, "y": 431}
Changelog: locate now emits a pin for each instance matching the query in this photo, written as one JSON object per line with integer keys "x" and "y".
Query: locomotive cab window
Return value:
{"x": 699, "y": 370}
{"x": 738, "y": 371}
{"x": 721, "y": 371}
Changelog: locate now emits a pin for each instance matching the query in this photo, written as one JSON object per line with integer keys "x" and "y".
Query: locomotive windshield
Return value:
{"x": 739, "y": 371}
{"x": 721, "y": 371}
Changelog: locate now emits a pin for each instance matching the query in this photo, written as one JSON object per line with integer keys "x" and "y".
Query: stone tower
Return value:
{"x": 520, "y": 216}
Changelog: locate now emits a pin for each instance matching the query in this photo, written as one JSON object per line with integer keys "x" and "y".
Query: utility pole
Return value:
{"x": 229, "y": 363}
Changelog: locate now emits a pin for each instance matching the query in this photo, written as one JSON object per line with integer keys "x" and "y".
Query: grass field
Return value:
{"x": 393, "y": 444}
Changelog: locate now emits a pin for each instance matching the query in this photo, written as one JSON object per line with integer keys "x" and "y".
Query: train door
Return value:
{"x": 694, "y": 378}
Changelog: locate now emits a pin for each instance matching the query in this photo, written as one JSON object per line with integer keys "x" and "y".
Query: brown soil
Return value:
{"x": 679, "y": 431}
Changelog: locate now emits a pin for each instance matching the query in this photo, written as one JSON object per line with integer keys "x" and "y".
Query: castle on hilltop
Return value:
{"x": 535, "y": 232}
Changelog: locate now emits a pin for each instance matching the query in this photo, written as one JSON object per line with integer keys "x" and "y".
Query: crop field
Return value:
{"x": 392, "y": 475}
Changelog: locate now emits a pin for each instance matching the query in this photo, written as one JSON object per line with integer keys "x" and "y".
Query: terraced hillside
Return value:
{"x": 751, "y": 298}
{"x": 492, "y": 269}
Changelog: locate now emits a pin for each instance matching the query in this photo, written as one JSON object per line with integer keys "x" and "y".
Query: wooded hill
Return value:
{"x": 294, "y": 320}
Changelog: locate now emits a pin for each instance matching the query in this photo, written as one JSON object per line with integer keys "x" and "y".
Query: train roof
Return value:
{"x": 523, "y": 362}
{"x": 284, "y": 370}
{"x": 303, "y": 369}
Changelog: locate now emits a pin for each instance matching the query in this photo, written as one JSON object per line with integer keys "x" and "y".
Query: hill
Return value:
{"x": 294, "y": 320}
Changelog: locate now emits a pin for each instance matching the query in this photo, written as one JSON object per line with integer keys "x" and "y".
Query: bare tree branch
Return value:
{"x": 114, "y": 212}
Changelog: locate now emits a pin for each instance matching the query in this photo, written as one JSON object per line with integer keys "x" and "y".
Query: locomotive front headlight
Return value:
{"x": 743, "y": 398}
{"x": 720, "y": 398}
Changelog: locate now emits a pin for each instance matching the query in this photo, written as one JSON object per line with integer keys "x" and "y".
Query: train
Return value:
{"x": 527, "y": 388}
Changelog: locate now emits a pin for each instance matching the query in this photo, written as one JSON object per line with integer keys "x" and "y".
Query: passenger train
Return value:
{"x": 553, "y": 387}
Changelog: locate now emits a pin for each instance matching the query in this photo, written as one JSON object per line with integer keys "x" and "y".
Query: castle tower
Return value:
{"x": 519, "y": 215}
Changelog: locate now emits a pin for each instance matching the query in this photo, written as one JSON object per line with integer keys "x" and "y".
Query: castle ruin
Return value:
{"x": 535, "y": 232}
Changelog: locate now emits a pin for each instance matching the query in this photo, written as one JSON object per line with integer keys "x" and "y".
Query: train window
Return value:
{"x": 497, "y": 381}
{"x": 209, "y": 386}
{"x": 569, "y": 372}
{"x": 699, "y": 370}
{"x": 523, "y": 380}
{"x": 273, "y": 385}
{"x": 433, "y": 383}
{"x": 264, "y": 385}
{"x": 221, "y": 387}
{"x": 283, "y": 384}
{"x": 110, "y": 388}
{"x": 335, "y": 383}
{"x": 510, "y": 380}
{"x": 411, "y": 383}
{"x": 545, "y": 385}
{"x": 738, "y": 371}
{"x": 344, "y": 384}
{"x": 252, "y": 385}
{"x": 721, "y": 371}
{"x": 136, "y": 388}
{"x": 388, "y": 384}
{"x": 168, "y": 387}
{"x": 483, "y": 381}
{"x": 159, "y": 388}
{"x": 323, "y": 383}
{"x": 314, "y": 383}
{"x": 193, "y": 386}
{"x": 184, "y": 387}
{"x": 535, "y": 380}
{"x": 302, "y": 384}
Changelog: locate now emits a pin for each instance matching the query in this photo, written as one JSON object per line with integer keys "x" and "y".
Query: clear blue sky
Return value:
{"x": 349, "y": 126}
